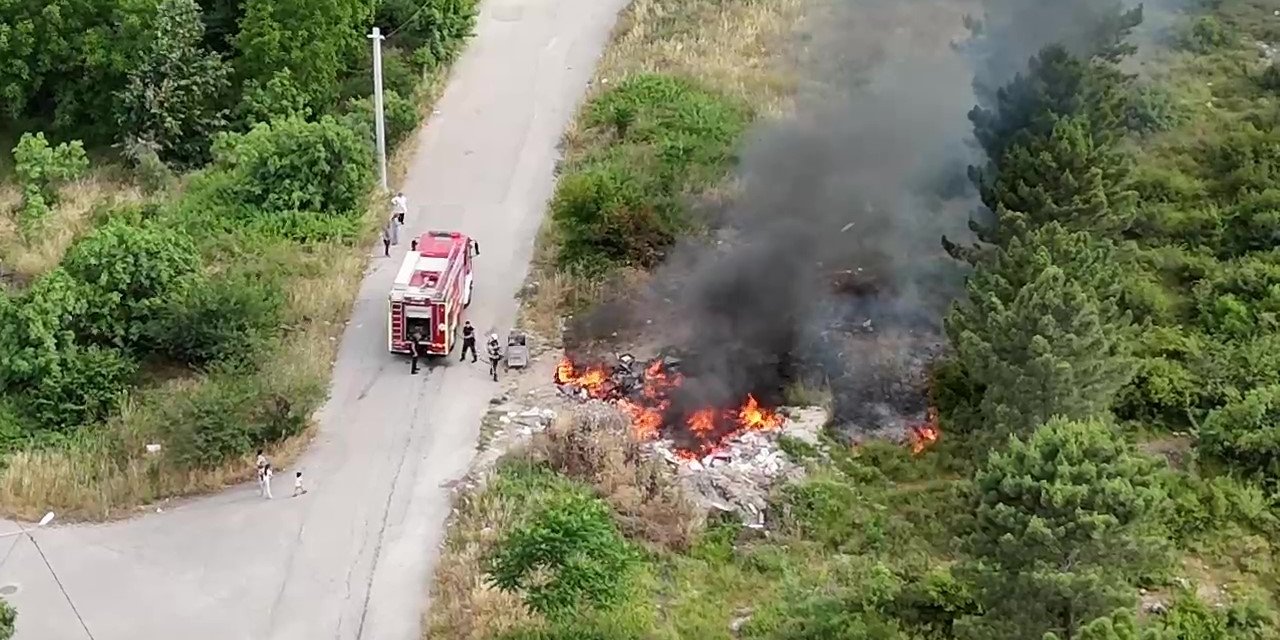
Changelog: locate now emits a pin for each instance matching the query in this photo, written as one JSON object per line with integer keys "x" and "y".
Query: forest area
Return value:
{"x": 184, "y": 220}
{"x": 1108, "y": 399}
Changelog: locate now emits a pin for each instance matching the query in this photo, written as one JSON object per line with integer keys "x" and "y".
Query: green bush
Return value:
{"x": 435, "y": 30}
{"x": 8, "y": 618}
{"x": 86, "y": 385}
{"x": 611, "y": 213}
{"x": 277, "y": 98}
{"x": 36, "y": 327}
{"x": 621, "y": 204}
{"x": 229, "y": 415}
{"x": 1245, "y": 434}
{"x": 400, "y": 115}
{"x": 294, "y": 165}
{"x": 41, "y": 169}
{"x": 566, "y": 558}
{"x": 225, "y": 320}
{"x": 131, "y": 273}
{"x": 1206, "y": 35}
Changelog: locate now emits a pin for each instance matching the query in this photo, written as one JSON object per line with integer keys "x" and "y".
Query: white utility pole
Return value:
{"x": 379, "y": 125}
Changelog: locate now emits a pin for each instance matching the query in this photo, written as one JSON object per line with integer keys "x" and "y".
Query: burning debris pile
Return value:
{"x": 649, "y": 395}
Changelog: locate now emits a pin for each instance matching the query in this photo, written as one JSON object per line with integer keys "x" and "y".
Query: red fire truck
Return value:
{"x": 430, "y": 290}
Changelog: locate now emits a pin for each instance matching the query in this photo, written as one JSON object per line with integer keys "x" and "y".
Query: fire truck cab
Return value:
{"x": 432, "y": 287}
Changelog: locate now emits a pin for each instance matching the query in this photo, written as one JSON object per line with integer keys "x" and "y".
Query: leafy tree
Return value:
{"x": 1038, "y": 349}
{"x": 312, "y": 39}
{"x": 170, "y": 101}
{"x": 1063, "y": 521}
{"x": 276, "y": 99}
{"x": 567, "y": 556}
{"x": 1246, "y": 433}
{"x": 41, "y": 169}
{"x": 67, "y": 58}
{"x": 292, "y": 165}
{"x": 132, "y": 273}
{"x": 434, "y": 29}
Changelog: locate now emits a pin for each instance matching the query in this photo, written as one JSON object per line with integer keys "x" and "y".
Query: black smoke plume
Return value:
{"x": 828, "y": 263}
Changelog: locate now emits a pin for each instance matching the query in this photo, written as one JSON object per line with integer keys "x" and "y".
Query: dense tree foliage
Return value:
{"x": 1064, "y": 521}
{"x": 171, "y": 102}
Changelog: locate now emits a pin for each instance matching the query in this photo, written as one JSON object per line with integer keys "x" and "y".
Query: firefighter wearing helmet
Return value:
{"x": 495, "y": 355}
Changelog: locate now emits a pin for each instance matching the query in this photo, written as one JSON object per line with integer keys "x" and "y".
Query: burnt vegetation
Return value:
{"x": 1060, "y": 233}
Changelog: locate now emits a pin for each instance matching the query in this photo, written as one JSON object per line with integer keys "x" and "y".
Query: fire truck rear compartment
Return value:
{"x": 413, "y": 325}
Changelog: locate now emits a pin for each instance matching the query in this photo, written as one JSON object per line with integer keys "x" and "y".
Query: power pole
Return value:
{"x": 379, "y": 125}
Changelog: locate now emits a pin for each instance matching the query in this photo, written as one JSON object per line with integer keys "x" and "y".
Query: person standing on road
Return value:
{"x": 297, "y": 485}
{"x": 261, "y": 465}
{"x": 266, "y": 481}
{"x": 495, "y": 356}
{"x": 468, "y": 340}
{"x": 386, "y": 240}
{"x": 394, "y": 225}
{"x": 415, "y": 351}
{"x": 399, "y": 206}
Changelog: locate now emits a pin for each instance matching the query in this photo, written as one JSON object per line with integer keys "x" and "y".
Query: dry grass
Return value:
{"x": 69, "y": 220}
{"x": 598, "y": 449}
{"x": 463, "y": 605}
{"x": 593, "y": 447}
{"x": 731, "y": 46}
{"x": 113, "y": 475}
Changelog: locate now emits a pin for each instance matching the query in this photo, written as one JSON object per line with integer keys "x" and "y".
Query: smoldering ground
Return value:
{"x": 827, "y": 263}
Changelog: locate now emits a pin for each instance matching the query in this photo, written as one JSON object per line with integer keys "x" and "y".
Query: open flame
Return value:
{"x": 645, "y": 399}
{"x": 923, "y": 435}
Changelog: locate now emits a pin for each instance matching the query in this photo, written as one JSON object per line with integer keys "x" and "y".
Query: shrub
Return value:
{"x": 621, "y": 205}
{"x": 229, "y": 415}
{"x": 132, "y": 272}
{"x": 611, "y": 213}
{"x": 400, "y": 115}
{"x": 86, "y": 384}
{"x": 36, "y": 327}
{"x": 294, "y": 165}
{"x": 8, "y": 618}
{"x": 1206, "y": 35}
{"x": 434, "y": 30}
{"x": 41, "y": 169}
{"x": 1246, "y": 433}
{"x": 567, "y": 556}
{"x": 224, "y": 320}
{"x": 277, "y": 98}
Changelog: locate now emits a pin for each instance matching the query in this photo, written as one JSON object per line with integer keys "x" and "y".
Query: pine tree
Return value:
{"x": 1042, "y": 348}
{"x": 1065, "y": 177}
{"x": 1065, "y": 521}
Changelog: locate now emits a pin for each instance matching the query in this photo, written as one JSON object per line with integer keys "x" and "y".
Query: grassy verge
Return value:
{"x": 103, "y": 471}
{"x": 679, "y": 72}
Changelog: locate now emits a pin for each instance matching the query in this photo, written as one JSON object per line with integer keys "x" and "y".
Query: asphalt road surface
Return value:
{"x": 352, "y": 558}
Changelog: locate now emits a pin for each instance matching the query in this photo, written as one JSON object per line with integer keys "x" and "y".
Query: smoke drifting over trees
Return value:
{"x": 862, "y": 181}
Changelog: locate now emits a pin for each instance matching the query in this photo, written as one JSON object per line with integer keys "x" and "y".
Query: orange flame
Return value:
{"x": 924, "y": 435}
{"x": 646, "y": 409}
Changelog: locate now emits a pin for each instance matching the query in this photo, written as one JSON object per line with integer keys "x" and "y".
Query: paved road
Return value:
{"x": 351, "y": 559}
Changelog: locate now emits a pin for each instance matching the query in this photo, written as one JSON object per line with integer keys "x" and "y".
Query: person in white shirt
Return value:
{"x": 297, "y": 485}
{"x": 266, "y": 482}
{"x": 399, "y": 206}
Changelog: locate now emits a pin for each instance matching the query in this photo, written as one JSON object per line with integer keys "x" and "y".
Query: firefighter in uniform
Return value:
{"x": 468, "y": 340}
{"x": 415, "y": 351}
{"x": 495, "y": 356}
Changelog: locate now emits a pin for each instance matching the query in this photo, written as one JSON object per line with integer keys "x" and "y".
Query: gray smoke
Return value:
{"x": 859, "y": 184}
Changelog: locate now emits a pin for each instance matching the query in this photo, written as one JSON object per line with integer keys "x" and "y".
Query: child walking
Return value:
{"x": 297, "y": 485}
